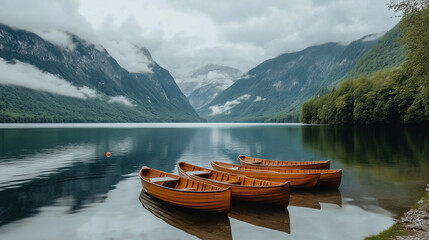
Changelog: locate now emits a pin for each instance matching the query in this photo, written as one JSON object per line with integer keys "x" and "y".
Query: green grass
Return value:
{"x": 396, "y": 230}
{"x": 423, "y": 201}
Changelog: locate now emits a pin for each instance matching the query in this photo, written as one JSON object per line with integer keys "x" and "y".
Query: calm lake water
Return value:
{"x": 56, "y": 182}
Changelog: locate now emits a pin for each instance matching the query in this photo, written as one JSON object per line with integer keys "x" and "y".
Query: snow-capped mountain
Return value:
{"x": 202, "y": 85}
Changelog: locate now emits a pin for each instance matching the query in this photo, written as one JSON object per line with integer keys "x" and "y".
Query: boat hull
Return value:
{"x": 329, "y": 178}
{"x": 212, "y": 201}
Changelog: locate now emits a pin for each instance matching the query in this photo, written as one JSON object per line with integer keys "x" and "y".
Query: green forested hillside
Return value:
{"x": 387, "y": 53}
{"x": 395, "y": 95}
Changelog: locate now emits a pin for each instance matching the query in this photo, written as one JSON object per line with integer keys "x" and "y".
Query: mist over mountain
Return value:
{"x": 202, "y": 85}
{"x": 280, "y": 85}
{"x": 78, "y": 81}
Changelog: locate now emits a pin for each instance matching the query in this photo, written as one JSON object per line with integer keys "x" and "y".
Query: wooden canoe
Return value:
{"x": 185, "y": 192}
{"x": 329, "y": 178}
{"x": 297, "y": 180}
{"x": 203, "y": 225}
{"x": 242, "y": 188}
{"x": 259, "y": 162}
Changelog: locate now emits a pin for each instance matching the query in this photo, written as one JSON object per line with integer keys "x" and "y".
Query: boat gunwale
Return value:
{"x": 263, "y": 170}
{"x": 305, "y": 163}
{"x": 222, "y": 189}
{"x": 279, "y": 185}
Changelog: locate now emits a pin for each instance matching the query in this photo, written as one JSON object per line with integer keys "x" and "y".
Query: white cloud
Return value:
{"x": 59, "y": 38}
{"x": 278, "y": 85}
{"x": 226, "y": 108}
{"x": 373, "y": 36}
{"x": 122, "y": 100}
{"x": 25, "y": 75}
{"x": 184, "y": 35}
{"x": 258, "y": 99}
{"x": 220, "y": 80}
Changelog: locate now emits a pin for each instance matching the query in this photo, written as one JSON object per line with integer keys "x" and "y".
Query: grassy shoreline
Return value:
{"x": 398, "y": 228}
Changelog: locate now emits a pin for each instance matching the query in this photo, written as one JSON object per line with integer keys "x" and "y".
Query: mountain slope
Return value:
{"x": 280, "y": 85}
{"x": 387, "y": 53}
{"x": 202, "y": 85}
{"x": 396, "y": 95}
{"x": 44, "y": 82}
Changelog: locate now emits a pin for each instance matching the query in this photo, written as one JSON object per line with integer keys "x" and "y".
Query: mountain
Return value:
{"x": 81, "y": 82}
{"x": 392, "y": 95}
{"x": 280, "y": 85}
{"x": 387, "y": 53}
{"x": 201, "y": 86}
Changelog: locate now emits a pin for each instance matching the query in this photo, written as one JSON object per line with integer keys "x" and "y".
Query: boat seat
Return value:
{"x": 197, "y": 172}
{"x": 234, "y": 168}
{"x": 188, "y": 189}
{"x": 257, "y": 162}
{"x": 162, "y": 179}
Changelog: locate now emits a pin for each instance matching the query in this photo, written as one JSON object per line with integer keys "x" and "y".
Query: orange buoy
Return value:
{"x": 108, "y": 154}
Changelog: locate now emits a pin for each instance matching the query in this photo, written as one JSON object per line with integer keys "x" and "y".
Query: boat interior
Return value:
{"x": 173, "y": 181}
{"x": 222, "y": 177}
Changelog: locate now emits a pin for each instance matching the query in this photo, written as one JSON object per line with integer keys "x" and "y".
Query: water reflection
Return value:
{"x": 63, "y": 173}
{"x": 71, "y": 164}
{"x": 203, "y": 225}
{"x": 313, "y": 198}
{"x": 386, "y": 165}
{"x": 262, "y": 215}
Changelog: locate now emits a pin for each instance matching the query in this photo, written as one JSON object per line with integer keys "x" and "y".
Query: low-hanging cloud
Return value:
{"x": 221, "y": 80}
{"x": 185, "y": 35}
{"x": 26, "y": 75}
{"x": 259, "y": 99}
{"x": 226, "y": 108}
{"x": 121, "y": 99}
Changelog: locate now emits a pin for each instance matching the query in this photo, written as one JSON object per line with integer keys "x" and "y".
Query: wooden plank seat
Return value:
{"x": 162, "y": 179}
{"x": 198, "y": 173}
{"x": 226, "y": 182}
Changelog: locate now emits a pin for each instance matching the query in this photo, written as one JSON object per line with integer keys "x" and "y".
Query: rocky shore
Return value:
{"x": 416, "y": 221}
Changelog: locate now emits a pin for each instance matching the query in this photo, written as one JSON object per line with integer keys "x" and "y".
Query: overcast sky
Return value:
{"x": 185, "y": 35}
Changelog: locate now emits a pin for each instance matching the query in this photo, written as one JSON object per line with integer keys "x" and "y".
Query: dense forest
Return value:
{"x": 395, "y": 95}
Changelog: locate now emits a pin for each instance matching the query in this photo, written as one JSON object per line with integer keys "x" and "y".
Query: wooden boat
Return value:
{"x": 242, "y": 188}
{"x": 203, "y": 225}
{"x": 262, "y": 215}
{"x": 297, "y": 180}
{"x": 185, "y": 192}
{"x": 259, "y": 162}
{"x": 329, "y": 178}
